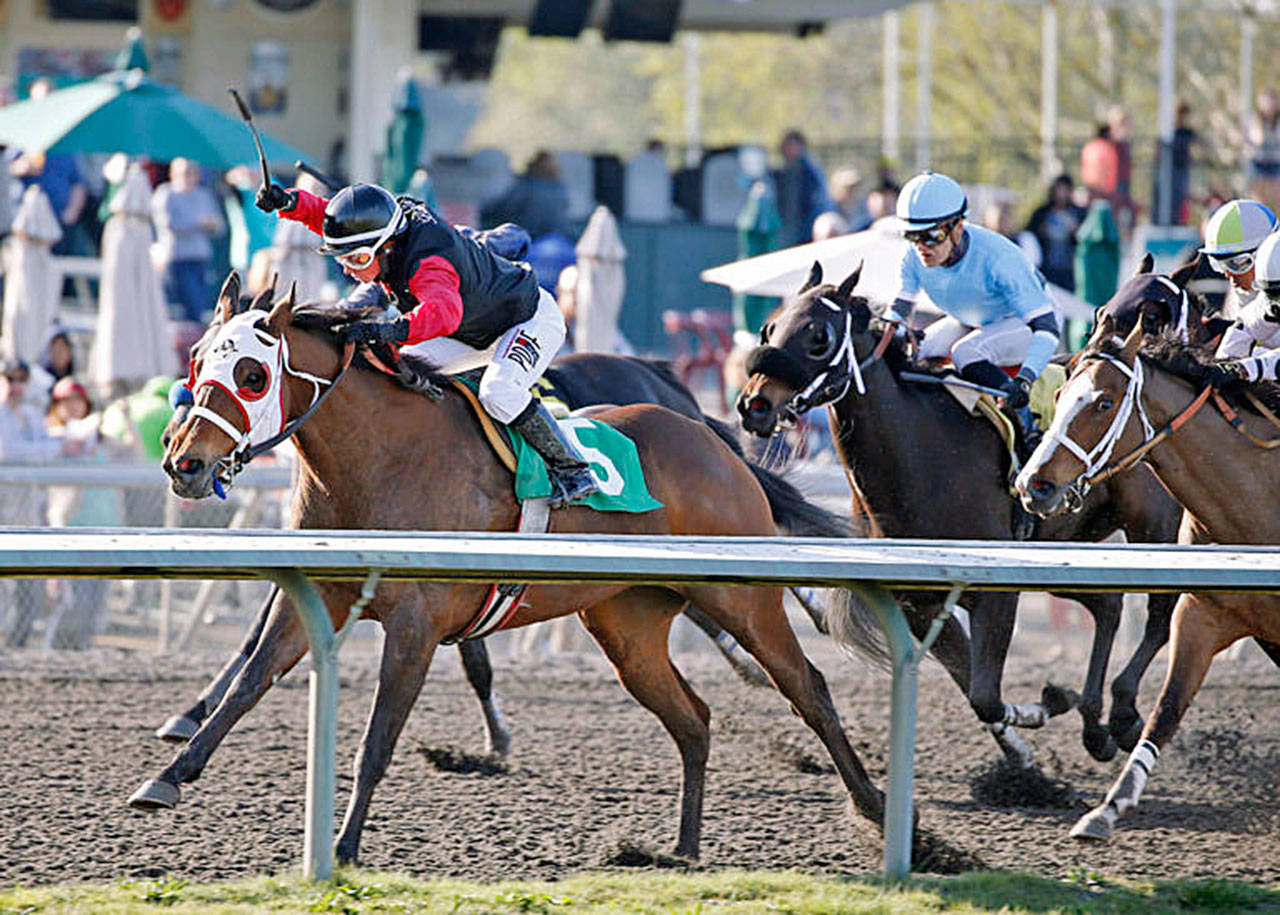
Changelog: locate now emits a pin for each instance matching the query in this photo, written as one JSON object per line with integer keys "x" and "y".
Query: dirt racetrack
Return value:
{"x": 591, "y": 770}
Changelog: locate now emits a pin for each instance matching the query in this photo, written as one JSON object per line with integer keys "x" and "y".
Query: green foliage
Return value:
{"x": 166, "y": 891}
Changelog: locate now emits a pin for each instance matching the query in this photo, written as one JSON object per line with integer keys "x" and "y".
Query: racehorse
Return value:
{"x": 1217, "y": 464}
{"x": 925, "y": 467}
{"x": 578, "y": 380}
{"x": 374, "y": 454}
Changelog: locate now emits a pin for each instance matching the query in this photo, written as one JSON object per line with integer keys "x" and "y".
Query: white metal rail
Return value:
{"x": 294, "y": 558}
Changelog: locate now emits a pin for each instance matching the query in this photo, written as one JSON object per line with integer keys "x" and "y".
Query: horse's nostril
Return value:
{"x": 190, "y": 466}
{"x": 1040, "y": 489}
{"x": 758, "y": 406}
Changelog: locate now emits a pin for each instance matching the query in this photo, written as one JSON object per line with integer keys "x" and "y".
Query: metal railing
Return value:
{"x": 292, "y": 559}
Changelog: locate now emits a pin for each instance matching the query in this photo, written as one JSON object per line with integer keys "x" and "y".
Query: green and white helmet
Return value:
{"x": 1236, "y": 227}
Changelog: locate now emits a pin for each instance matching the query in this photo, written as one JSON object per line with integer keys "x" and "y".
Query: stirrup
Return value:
{"x": 570, "y": 486}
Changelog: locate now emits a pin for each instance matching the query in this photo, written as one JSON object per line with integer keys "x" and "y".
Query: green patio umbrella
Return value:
{"x": 126, "y": 111}
{"x": 404, "y": 137}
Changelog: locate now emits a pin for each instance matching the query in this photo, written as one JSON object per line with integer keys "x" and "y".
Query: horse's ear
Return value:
{"x": 845, "y": 292}
{"x": 228, "y": 297}
{"x": 1148, "y": 265}
{"x": 815, "y": 277}
{"x": 1132, "y": 343}
{"x": 1183, "y": 275}
{"x": 282, "y": 312}
{"x": 262, "y": 301}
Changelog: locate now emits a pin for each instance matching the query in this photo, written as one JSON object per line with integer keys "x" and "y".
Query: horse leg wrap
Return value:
{"x": 1124, "y": 794}
{"x": 1015, "y": 749}
{"x": 1027, "y": 715}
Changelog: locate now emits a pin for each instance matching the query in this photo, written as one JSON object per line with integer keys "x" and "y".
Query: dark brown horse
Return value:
{"x": 375, "y": 455}
{"x": 1121, "y": 405}
{"x": 923, "y": 466}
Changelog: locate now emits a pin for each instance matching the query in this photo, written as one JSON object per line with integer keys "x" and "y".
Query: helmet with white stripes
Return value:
{"x": 360, "y": 216}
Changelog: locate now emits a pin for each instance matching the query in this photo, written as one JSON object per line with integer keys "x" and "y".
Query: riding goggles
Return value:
{"x": 930, "y": 237}
{"x": 1232, "y": 263}
{"x": 359, "y": 258}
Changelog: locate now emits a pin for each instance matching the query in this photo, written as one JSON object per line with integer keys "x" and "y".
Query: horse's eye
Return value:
{"x": 250, "y": 376}
{"x": 821, "y": 342}
{"x": 1104, "y": 404}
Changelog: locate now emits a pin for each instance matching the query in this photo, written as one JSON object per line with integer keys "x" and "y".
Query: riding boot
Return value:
{"x": 1031, "y": 433}
{"x": 571, "y": 478}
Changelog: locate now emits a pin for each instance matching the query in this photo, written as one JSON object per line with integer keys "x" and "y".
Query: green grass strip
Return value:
{"x": 355, "y": 891}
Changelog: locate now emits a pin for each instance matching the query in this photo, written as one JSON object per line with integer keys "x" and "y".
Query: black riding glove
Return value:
{"x": 1229, "y": 371}
{"x": 274, "y": 197}
{"x": 396, "y": 331}
{"x": 1017, "y": 392}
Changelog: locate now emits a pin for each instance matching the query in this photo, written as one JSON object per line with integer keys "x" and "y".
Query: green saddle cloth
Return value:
{"x": 612, "y": 456}
{"x": 613, "y": 459}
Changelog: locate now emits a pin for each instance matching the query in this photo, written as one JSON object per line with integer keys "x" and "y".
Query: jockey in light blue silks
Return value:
{"x": 998, "y": 311}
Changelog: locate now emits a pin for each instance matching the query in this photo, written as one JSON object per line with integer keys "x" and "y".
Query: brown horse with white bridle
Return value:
{"x": 376, "y": 455}
{"x": 1124, "y": 404}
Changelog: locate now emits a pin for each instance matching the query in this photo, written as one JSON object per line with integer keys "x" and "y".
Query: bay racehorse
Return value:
{"x": 375, "y": 455}
{"x": 924, "y": 467}
{"x": 578, "y": 380}
{"x": 1126, "y": 403}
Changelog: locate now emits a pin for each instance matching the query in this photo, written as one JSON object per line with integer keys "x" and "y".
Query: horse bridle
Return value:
{"x": 833, "y": 383}
{"x": 228, "y": 467}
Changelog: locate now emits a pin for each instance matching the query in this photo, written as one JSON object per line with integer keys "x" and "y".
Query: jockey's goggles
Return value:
{"x": 1232, "y": 263}
{"x": 358, "y": 259}
{"x": 930, "y": 237}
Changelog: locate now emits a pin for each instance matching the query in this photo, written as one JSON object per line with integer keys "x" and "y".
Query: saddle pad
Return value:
{"x": 612, "y": 456}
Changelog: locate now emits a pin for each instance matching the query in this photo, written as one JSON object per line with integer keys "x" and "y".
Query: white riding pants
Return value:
{"x": 1002, "y": 342}
{"x": 516, "y": 360}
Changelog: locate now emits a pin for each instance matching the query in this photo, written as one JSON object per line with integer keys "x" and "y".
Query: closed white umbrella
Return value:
{"x": 132, "y": 342}
{"x": 32, "y": 284}
{"x": 294, "y": 259}
{"x": 602, "y": 282}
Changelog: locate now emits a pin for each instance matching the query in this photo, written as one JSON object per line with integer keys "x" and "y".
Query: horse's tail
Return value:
{"x": 844, "y": 617}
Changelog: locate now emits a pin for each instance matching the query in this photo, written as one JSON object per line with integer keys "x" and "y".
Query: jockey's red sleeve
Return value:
{"x": 309, "y": 210}
{"x": 436, "y": 286}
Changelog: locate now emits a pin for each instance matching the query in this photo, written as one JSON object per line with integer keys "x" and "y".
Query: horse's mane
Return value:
{"x": 1191, "y": 362}
{"x": 415, "y": 372}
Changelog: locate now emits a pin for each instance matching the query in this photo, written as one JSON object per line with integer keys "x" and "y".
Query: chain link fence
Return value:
{"x": 158, "y": 615}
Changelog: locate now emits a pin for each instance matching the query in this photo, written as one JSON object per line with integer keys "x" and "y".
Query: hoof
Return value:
{"x": 1100, "y": 744}
{"x": 155, "y": 795}
{"x": 498, "y": 744}
{"x": 1128, "y": 739}
{"x": 1092, "y": 827}
{"x": 178, "y": 729}
{"x": 1058, "y": 700}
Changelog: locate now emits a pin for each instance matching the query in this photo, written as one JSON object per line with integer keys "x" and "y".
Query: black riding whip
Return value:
{"x": 257, "y": 138}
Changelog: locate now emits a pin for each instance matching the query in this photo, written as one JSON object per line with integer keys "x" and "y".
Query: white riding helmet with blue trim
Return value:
{"x": 930, "y": 199}
{"x": 1267, "y": 275}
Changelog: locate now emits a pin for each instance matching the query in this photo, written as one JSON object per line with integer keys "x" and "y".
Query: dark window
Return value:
{"x": 96, "y": 10}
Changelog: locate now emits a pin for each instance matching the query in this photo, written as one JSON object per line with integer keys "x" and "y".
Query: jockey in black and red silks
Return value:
{"x": 462, "y": 306}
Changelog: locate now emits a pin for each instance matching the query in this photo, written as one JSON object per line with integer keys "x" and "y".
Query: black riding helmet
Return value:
{"x": 359, "y": 216}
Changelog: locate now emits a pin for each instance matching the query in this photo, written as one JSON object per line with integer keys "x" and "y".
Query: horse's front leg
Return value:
{"x": 1200, "y": 630}
{"x": 282, "y": 643}
{"x": 1105, "y": 610}
{"x": 181, "y": 728}
{"x": 411, "y": 640}
{"x": 1125, "y": 722}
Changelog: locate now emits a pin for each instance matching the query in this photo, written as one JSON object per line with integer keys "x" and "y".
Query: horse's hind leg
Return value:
{"x": 406, "y": 654}
{"x": 475, "y": 660}
{"x": 281, "y": 644}
{"x": 1105, "y": 610}
{"x": 754, "y": 616}
{"x": 746, "y": 669}
{"x": 1125, "y": 722}
{"x": 632, "y": 630}
{"x": 181, "y": 728}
